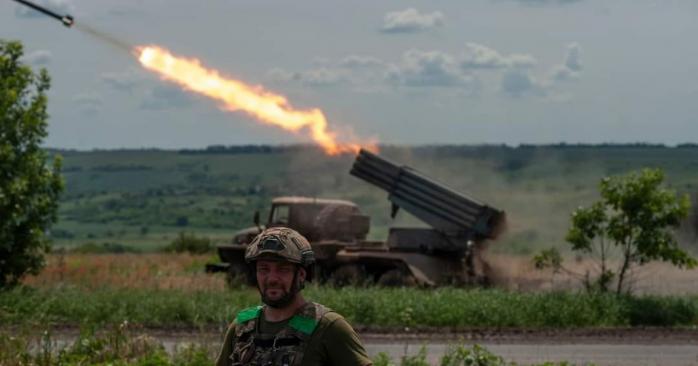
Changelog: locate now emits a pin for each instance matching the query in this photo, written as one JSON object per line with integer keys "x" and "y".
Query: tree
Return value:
{"x": 691, "y": 224}
{"x": 30, "y": 181}
{"x": 635, "y": 220}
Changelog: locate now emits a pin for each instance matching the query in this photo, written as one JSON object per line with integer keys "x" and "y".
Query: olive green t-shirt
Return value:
{"x": 334, "y": 342}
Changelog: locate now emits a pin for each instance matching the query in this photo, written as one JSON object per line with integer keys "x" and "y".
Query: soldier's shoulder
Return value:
{"x": 324, "y": 313}
{"x": 333, "y": 328}
{"x": 332, "y": 319}
{"x": 248, "y": 314}
{"x": 331, "y": 316}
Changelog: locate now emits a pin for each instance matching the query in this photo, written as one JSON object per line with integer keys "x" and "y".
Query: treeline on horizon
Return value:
{"x": 145, "y": 197}
{"x": 271, "y": 149}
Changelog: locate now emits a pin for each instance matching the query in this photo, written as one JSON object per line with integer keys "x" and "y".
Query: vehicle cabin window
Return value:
{"x": 280, "y": 215}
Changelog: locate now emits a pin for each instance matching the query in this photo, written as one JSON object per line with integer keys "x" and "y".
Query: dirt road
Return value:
{"x": 631, "y": 346}
{"x": 579, "y": 354}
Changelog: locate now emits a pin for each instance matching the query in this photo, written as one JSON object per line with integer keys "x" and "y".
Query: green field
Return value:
{"x": 172, "y": 290}
{"x": 143, "y": 198}
{"x": 364, "y": 307}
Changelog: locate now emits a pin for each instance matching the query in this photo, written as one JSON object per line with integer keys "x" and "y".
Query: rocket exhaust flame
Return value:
{"x": 254, "y": 100}
{"x": 235, "y": 95}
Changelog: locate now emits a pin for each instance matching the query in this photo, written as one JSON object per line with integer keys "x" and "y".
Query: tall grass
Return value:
{"x": 117, "y": 346}
{"x": 373, "y": 307}
{"x": 165, "y": 290}
{"x": 450, "y": 307}
{"x": 128, "y": 271}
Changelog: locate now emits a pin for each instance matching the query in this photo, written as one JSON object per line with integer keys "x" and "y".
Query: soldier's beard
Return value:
{"x": 286, "y": 299}
{"x": 281, "y": 302}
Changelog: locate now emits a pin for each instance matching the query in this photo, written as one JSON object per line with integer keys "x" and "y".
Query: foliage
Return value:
{"x": 29, "y": 183}
{"x": 420, "y": 359}
{"x": 475, "y": 356}
{"x": 690, "y": 226}
{"x": 190, "y": 243}
{"x": 548, "y": 258}
{"x": 382, "y": 359}
{"x": 660, "y": 311}
{"x": 636, "y": 217}
{"x": 103, "y": 248}
{"x": 117, "y": 346}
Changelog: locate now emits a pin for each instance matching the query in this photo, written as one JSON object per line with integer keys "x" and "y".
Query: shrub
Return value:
{"x": 104, "y": 248}
{"x": 661, "y": 311}
{"x": 190, "y": 243}
{"x": 182, "y": 221}
{"x": 635, "y": 219}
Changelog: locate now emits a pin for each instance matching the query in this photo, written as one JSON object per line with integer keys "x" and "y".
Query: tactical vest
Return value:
{"x": 285, "y": 348}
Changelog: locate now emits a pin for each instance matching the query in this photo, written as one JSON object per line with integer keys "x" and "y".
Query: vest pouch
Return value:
{"x": 284, "y": 359}
{"x": 242, "y": 352}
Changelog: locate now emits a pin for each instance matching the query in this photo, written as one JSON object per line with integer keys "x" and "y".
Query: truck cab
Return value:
{"x": 329, "y": 225}
{"x": 315, "y": 218}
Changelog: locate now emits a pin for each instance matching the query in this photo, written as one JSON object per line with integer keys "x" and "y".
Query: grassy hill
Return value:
{"x": 143, "y": 198}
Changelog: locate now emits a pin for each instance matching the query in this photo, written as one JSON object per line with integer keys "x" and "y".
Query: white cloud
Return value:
{"x": 521, "y": 60}
{"x": 39, "y": 57}
{"x": 355, "y": 61}
{"x": 519, "y": 83}
{"x": 323, "y": 76}
{"x": 427, "y": 69}
{"x": 356, "y": 70}
{"x": 410, "y": 20}
{"x": 572, "y": 66}
{"x": 562, "y": 73}
{"x": 281, "y": 75}
{"x": 61, "y": 7}
{"x": 477, "y": 56}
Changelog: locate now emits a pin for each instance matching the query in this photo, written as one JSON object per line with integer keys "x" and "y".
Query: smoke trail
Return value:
{"x": 105, "y": 37}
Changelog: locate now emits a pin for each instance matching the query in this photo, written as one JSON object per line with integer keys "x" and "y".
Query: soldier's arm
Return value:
{"x": 227, "y": 347}
{"x": 343, "y": 346}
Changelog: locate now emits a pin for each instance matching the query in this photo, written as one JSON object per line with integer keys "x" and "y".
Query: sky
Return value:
{"x": 399, "y": 72}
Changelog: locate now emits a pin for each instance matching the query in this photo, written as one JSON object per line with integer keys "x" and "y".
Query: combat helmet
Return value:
{"x": 281, "y": 243}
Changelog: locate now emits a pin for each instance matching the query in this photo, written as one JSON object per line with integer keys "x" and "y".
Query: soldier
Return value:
{"x": 287, "y": 330}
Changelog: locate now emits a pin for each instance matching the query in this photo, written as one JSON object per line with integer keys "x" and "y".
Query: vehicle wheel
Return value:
{"x": 396, "y": 278}
{"x": 347, "y": 275}
{"x": 236, "y": 276}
